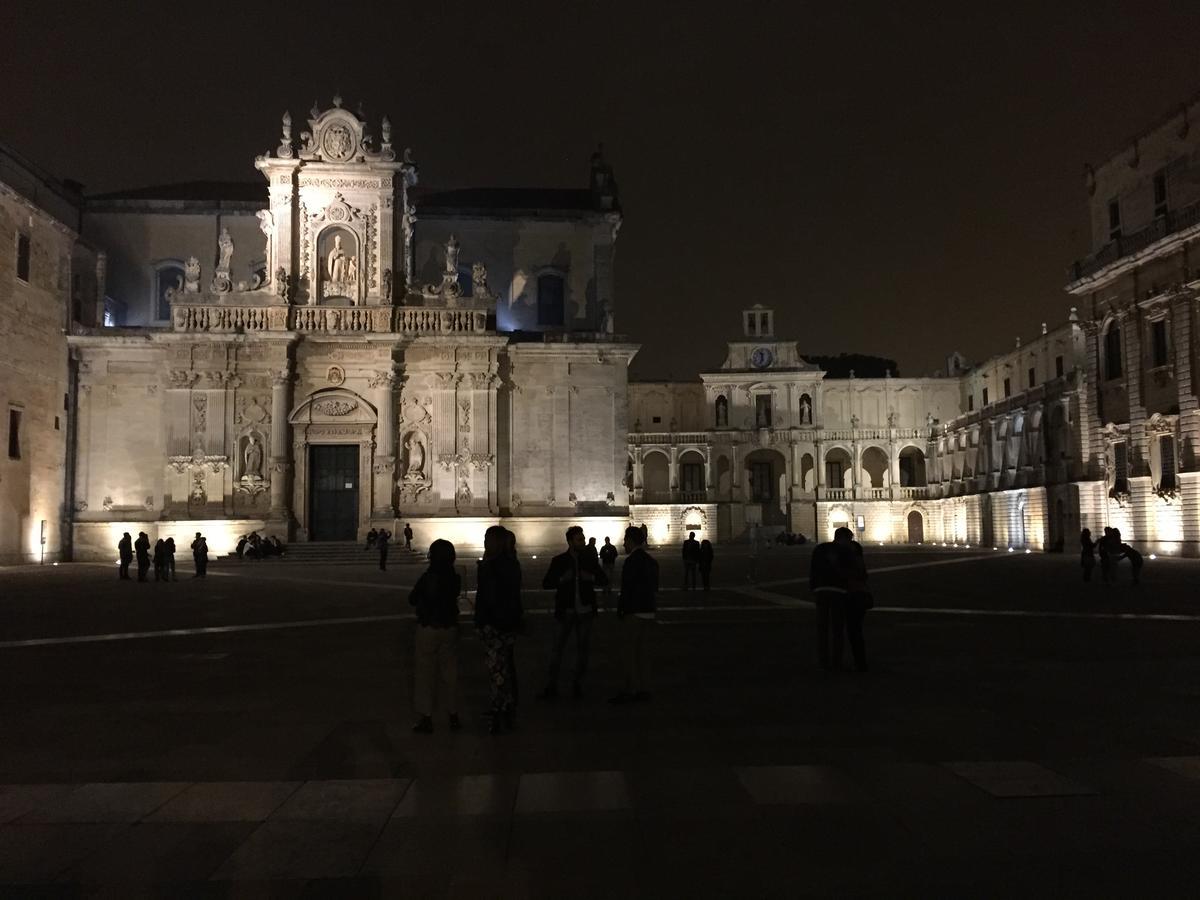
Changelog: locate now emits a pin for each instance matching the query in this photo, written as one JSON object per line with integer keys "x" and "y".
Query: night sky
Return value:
{"x": 893, "y": 182}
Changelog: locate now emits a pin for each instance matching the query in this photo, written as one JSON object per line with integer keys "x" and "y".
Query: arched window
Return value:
{"x": 551, "y": 299}
{"x": 1112, "y": 351}
{"x": 168, "y": 275}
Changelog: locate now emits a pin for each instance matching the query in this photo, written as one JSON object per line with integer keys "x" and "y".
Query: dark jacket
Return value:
{"x": 838, "y": 568}
{"x": 561, "y": 575}
{"x": 125, "y": 549}
{"x": 706, "y": 556}
{"x": 639, "y": 583}
{"x": 200, "y": 548}
{"x": 142, "y": 546}
{"x": 498, "y": 594}
{"x": 435, "y": 595}
{"x": 608, "y": 555}
{"x": 691, "y": 550}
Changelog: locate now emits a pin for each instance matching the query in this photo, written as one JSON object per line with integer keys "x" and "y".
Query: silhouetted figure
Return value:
{"x": 1087, "y": 553}
{"x": 498, "y": 617}
{"x": 278, "y": 545}
{"x": 142, "y": 548}
{"x": 372, "y": 537}
{"x": 408, "y": 536}
{"x": 608, "y": 561}
{"x": 125, "y": 555}
{"x": 635, "y": 614}
{"x": 593, "y": 549}
{"x": 435, "y": 655}
{"x": 706, "y": 561}
{"x": 691, "y": 561}
{"x": 1135, "y": 562}
{"x": 160, "y": 560}
{"x": 573, "y": 577}
{"x": 838, "y": 580}
{"x": 241, "y": 547}
{"x": 200, "y": 556}
{"x": 1103, "y": 550}
{"x": 169, "y": 548}
{"x": 381, "y": 542}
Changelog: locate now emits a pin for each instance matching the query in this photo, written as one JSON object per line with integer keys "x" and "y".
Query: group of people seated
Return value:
{"x": 790, "y": 538}
{"x": 1111, "y": 549}
{"x": 254, "y": 546}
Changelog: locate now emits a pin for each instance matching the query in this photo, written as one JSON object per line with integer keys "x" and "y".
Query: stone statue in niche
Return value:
{"x": 722, "y": 412}
{"x": 414, "y": 463}
{"x": 252, "y": 458}
{"x": 340, "y": 269}
{"x": 805, "y": 410}
{"x": 387, "y": 285}
{"x": 191, "y": 276}
{"x": 225, "y": 249}
{"x": 335, "y": 266}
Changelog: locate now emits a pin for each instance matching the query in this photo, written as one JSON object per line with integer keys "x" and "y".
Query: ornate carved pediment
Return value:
{"x": 333, "y": 404}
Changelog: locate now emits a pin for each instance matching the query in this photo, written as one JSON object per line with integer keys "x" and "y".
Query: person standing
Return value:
{"x": 1087, "y": 553}
{"x": 408, "y": 535}
{"x": 169, "y": 547}
{"x": 125, "y": 554}
{"x": 1135, "y": 562}
{"x": 691, "y": 561}
{"x": 381, "y": 541}
{"x": 573, "y": 577}
{"x": 608, "y": 562}
{"x": 635, "y": 613}
{"x": 1103, "y": 551}
{"x": 435, "y": 655}
{"x": 858, "y": 601}
{"x": 142, "y": 548}
{"x": 827, "y": 582}
{"x": 160, "y": 560}
{"x": 498, "y": 616}
{"x": 200, "y": 555}
{"x": 706, "y": 561}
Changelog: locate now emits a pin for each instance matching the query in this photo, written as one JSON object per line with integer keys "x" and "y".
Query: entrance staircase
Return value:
{"x": 341, "y": 553}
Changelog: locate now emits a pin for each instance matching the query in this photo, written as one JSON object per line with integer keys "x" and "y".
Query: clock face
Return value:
{"x": 761, "y": 357}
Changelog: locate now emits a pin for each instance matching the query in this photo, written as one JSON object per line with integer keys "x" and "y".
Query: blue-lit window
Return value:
{"x": 551, "y": 300}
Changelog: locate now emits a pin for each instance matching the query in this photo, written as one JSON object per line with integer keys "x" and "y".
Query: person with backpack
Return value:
{"x": 435, "y": 654}
{"x": 498, "y": 617}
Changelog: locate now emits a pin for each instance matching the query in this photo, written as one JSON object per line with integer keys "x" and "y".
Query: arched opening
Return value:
{"x": 916, "y": 527}
{"x": 806, "y": 415}
{"x": 551, "y": 300}
{"x": 837, "y": 469}
{"x": 874, "y": 466}
{"x": 168, "y": 277}
{"x": 765, "y": 471}
{"x": 839, "y": 517}
{"x": 691, "y": 477}
{"x": 337, "y": 252}
{"x": 912, "y": 468}
{"x": 808, "y": 473}
{"x": 656, "y": 478}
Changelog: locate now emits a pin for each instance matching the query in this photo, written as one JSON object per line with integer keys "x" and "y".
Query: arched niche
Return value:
{"x": 340, "y": 265}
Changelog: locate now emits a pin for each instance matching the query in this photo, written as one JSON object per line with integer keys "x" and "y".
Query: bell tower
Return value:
{"x": 331, "y": 222}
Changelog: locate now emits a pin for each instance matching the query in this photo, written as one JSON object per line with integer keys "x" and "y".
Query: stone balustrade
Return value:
{"x": 224, "y": 318}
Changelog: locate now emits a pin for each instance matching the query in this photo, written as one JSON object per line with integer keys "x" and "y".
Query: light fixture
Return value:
{"x": 1152, "y": 556}
{"x": 1010, "y": 549}
{"x": 1027, "y": 550}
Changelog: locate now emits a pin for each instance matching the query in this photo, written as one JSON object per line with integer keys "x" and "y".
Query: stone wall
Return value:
{"x": 33, "y": 380}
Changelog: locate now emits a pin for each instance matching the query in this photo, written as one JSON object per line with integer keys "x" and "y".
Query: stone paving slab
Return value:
{"x": 366, "y": 801}
{"x": 560, "y": 792}
{"x": 306, "y": 850}
{"x": 225, "y": 801}
{"x": 108, "y": 802}
{"x": 18, "y": 799}
{"x": 1017, "y": 779}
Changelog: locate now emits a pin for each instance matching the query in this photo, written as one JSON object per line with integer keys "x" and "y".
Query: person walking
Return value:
{"x": 169, "y": 547}
{"x": 1087, "y": 553}
{"x": 381, "y": 542}
{"x": 408, "y": 536}
{"x": 573, "y": 577}
{"x": 498, "y": 616}
{"x": 435, "y": 654}
{"x": 125, "y": 555}
{"x": 160, "y": 560}
{"x": 706, "y": 561}
{"x": 691, "y": 561}
{"x": 142, "y": 548}
{"x": 608, "y": 562}
{"x": 635, "y": 613}
{"x": 200, "y": 555}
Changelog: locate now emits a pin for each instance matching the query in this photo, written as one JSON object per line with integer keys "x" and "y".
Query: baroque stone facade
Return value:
{"x": 333, "y": 384}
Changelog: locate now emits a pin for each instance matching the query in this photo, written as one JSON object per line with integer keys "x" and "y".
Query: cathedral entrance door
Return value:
{"x": 333, "y": 480}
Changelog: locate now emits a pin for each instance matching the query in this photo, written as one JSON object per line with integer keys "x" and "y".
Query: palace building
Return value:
{"x": 334, "y": 347}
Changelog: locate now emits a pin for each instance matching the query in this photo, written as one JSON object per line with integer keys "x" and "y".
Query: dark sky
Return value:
{"x": 893, "y": 181}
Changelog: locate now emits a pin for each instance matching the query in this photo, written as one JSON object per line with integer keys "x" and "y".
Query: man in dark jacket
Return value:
{"x": 142, "y": 547}
{"x": 691, "y": 561}
{"x": 200, "y": 556}
{"x": 635, "y": 611}
{"x": 125, "y": 552}
{"x": 573, "y": 576}
{"x": 837, "y": 579}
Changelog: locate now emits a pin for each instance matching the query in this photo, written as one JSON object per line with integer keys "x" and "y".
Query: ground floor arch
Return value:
{"x": 916, "y": 527}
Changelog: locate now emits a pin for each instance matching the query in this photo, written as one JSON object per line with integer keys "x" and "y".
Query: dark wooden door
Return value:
{"x": 333, "y": 474}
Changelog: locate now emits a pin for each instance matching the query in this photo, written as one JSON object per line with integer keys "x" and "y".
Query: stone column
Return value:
{"x": 383, "y": 465}
{"x": 281, "y": 442}
{"x": 637, "y": 474}
{"x": 708, "y": 485}
{"x": 673, "y": 471}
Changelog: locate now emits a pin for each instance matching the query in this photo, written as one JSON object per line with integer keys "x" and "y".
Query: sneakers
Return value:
{"x": 424, "y": 725}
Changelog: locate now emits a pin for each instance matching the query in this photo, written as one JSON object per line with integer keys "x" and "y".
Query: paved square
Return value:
{"x": 1019, "y": 733}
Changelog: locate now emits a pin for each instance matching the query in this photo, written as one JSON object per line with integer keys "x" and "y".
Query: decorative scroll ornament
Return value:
{"x": 191, "y": 276}
{"x": 479, "y": 283}
{"x": 335, "y": 407}
{"x": 449, "y": 289}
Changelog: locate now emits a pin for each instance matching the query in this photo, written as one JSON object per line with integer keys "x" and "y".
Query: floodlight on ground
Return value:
{"x": 1010, "y": 549}
{"x": 1152, "y": 556}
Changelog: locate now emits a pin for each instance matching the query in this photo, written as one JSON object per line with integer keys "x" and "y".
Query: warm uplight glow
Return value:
{"x": 1152, "y": 556}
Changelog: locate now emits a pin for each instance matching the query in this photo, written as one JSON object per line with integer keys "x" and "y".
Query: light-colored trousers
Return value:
{"x": 634, "y": 634}
{"x": 435, "y": 660}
